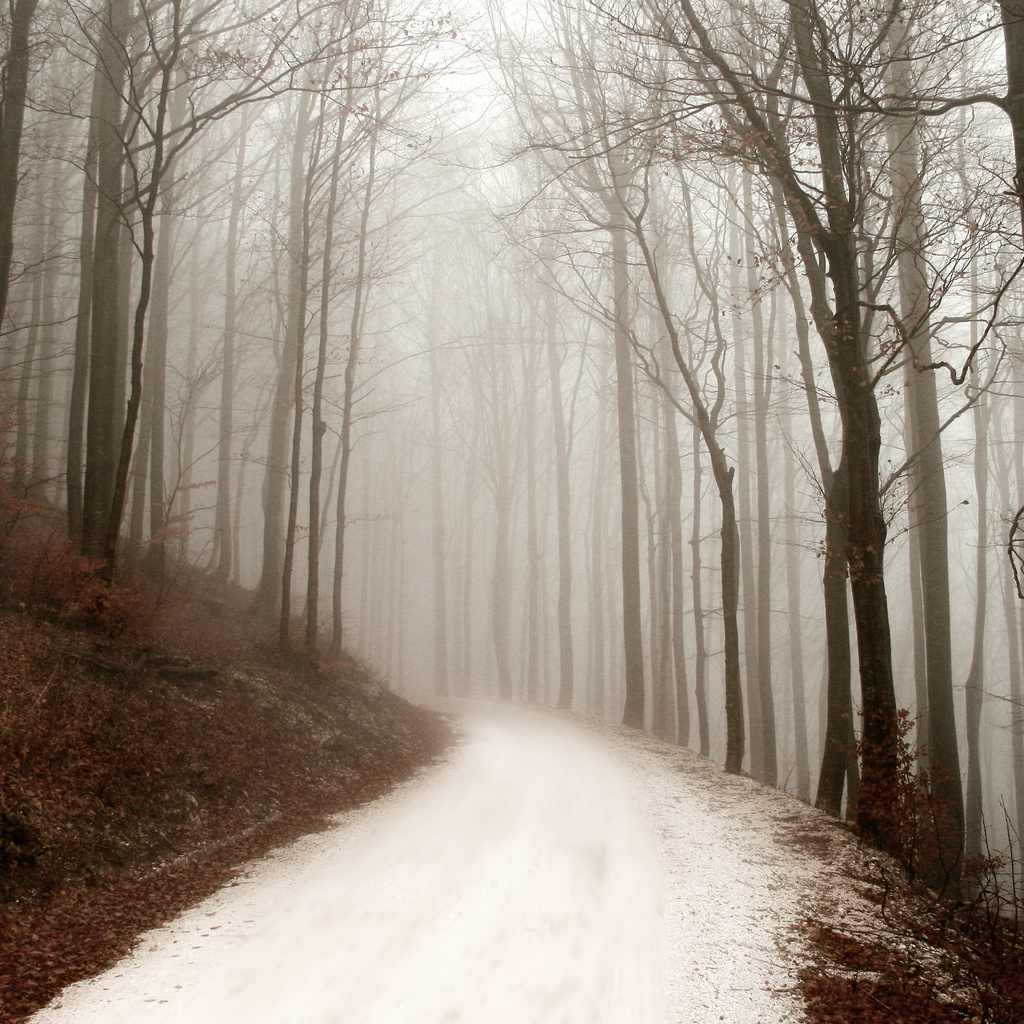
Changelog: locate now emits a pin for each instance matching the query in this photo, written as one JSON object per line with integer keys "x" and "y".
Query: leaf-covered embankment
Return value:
{"x": 127, "y": 793}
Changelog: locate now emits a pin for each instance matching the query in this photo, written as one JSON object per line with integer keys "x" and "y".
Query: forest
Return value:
{"x": 660, "y": 361}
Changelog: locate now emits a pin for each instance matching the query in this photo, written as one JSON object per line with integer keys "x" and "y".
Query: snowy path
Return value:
{"x": 541, "y": 876}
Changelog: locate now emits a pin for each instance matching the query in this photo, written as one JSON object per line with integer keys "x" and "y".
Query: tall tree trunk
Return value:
{"x": 838, "y": 761}
{"x": 1013, "y": 41}
{"x": 599, "y": 617}
{"x": 929, "y": 496}
{"x": 632, "y": 628}
{"x": 12, "y": 117}
{"x": 275, "y": 478}
{"x": 652, "y": 497}
{"x": 531, "y": 621}
{"x": 795, "y": 615}
{"x": 438, "y": 532}
{"x": 649, "y": 502}
{"x": 156, "y": 367}
{"x": 744, "y": 514}
{"x": 975, "y": 684}
{"x": 29, "y": 357}
{"x": 319, "y": 426}
{"x": 1005, "y": 470}
{"x": 348, "y": 398}
{"x": 700, "y": 653}
{"x": 723, "y": 475}
{"x": 42, "y": 463}
{"x": 560, "y": 439}
{"x": 468, "y": 496}
{"x": 504, "y": 483}
{"x": 225, "y": 410}
{"x": 101, "y": 419}
{"x": 673, "y": 513}
{"x": 188, "y": 422}
{"x": 761, "y": 383}
{"x": 83, "y": 319}
{"x": 302, "y": 184}
{"x": 140, "y": 470}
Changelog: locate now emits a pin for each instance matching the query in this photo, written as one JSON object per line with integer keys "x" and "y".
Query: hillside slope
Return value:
{"x": 137, "y": 771}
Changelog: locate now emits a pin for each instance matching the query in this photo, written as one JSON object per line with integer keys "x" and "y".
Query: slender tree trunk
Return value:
{"x": 1006, "y": 470}
{"x": 49, "y": 349}
{"x": 700, "y": 654}
{"x": 663, "y": 569}
{"x": 503, "y": 483}
{"x": 348, "y": 399}
{"x": 531, "y": 621}
{"x": 838, "y": 761}
{"x": 673, "y": 513}
{"x": 140, "y": 470}
{"x": 319, "y": 426}
{"x": 562, "y": 499}
{"x": 914, "y": 588}
{"x": 975, "y": 684}
{"x": 730, "y": 549}
{"x": 225, "y": 411}
{"x": 298, "y": 298}
{"x": 188, "y": 422}
{"x": 649, "y": 502}
{"x": 29, "y": 358}
{"x": 156, "y": 367}
{"x": 744, "y": 515}
{"x": 929, "y": 496}
{"x": 1013, "y": 40}
{"x": 469, "y": 494}
{"x": 761, "y": 382}
{"x": 632, "y": 635}
{"x": 275, "y": 477}
{"x": 795, "y": 615}
{"x": 438, "y": 530}
{"x": 83, "y": 320}
{"x": 599, "y": 679}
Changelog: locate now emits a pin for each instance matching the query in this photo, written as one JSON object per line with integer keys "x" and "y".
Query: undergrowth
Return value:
{"x": 952, "y": 946}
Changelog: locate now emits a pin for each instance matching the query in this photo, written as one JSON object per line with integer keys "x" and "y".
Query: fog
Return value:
{"x": 456, "y": 335}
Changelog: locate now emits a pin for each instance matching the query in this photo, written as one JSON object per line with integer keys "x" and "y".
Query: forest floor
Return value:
{"x": 562, "y": 871}
{"x": 144, "y": 762}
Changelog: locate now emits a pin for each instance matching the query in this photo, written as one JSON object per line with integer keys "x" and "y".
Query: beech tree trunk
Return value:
{"x": 12, "y": 118}
{"x": 975, "y": 683}
{"x": 744, "y": 515}
{"x": 225, "y": 411}
{"x": 438, "y": 533}
{"x": 300, "y": 188}
{"x": 673, "y": 514}
{"x": 632, "y": 627}
{"x": 562, "y": 500}
{"x": 761, "y": 385}
{"x": 355, "y": 338}
{"x": 929, "y": 494}
{"x": 83, "y": 319}
{"x": 104, "y": 365}
{"x": 531, "y": 353}
{"x": 700, "y": 653}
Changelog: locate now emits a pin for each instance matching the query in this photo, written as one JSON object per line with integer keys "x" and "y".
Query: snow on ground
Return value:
{"x": 549, "y": 872}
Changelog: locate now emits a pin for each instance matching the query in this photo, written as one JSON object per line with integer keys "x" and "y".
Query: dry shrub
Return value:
{"x": 914, "y": 817}
{"x": 54, "y": 581}
{"x": 942, "y": 958}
